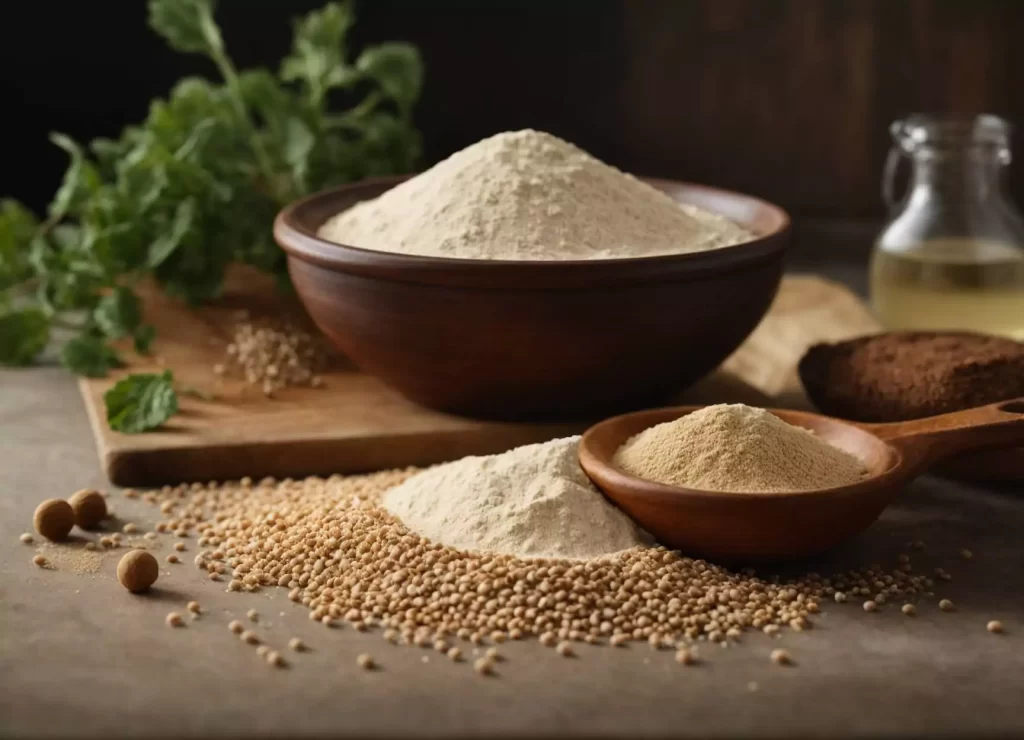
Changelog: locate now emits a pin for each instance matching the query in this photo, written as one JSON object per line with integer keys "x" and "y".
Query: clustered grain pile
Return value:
{"x": 276, "y": 353}
{"x": 733, "y": 447}
{"x": 341, "y": 554}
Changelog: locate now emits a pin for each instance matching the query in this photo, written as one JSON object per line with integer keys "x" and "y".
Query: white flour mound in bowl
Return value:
{"x": 528, "y": 195}
{"x": 531, "y": 502}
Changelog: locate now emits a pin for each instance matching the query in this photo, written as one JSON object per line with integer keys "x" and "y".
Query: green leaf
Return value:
{"x": 81, "y": 180}
{"x": 118, "y": 313}
{"x": 299, "y": 142}
{"x": 165, "y": 244}
{"x": 143, "y": 337}
{"x": 318, "y": 51}
{"x": 23, "y": 335}
{"x": 141, "y": 402}
{"x": 90, "y": 356}
{"x": 17, "y": 228}
{"x": 397, "y": 69}
{"x": 187, "y": 25}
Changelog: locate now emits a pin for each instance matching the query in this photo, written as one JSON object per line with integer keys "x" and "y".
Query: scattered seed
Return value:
{"x": 174, "y": 620}
{"x": 564, "y": 649}
{"x": 365, "y": 661}
{"x": 617, "y": 640}
{"x": 236, "y": 627}
{"x": 253, "y": 615}
{"x": 41, "y": 561}
{"x": 684, "y": 656}
{"x": 548, "y": 639}
{"x": 172, "y": 558}
{"x": 130, "y": 528}
{"x": 89, "y": 508}
{"x": 454, "y": 654}
{"x": 840, "y": 597}
{"x": 90, "y": 545}
{"x": 214, "y": 576}
{"x": 179, "y": 546}
{"x": 193, "y": 606}
{"x": 26, "y": 538}
{"x": 275, "y": 659}
{"x": 54, "y": 518}
{"x": 995, "y": 627}
{"x": 150, "y": 536}
{"x": 250, "y": 637}
{"x": 297, "y": 645}
{"x": 262, "y": 650}
{"x": 770, "y": 629}
{"x": 137, "y": 571}
{"x": 493, "y": 654}
{"x": 946, "y": 605}
{"x": 328, "y": 621}
{"x": 484, "y": 666}
{"x": 870, "y": 606}
{"x": 781, "y": 657}
{"x": 909, "y": 609}
{"x": 966, "y": 554}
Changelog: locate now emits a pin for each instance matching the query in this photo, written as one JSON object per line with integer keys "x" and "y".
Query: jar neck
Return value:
{"x": 962, "y": 177}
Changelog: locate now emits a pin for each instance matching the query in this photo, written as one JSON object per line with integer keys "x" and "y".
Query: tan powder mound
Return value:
{"x": 528, "y": 195}
{"x": 733, "y": 447}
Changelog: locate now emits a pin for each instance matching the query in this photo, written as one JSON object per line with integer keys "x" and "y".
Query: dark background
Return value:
{"x": 786, "y": 99}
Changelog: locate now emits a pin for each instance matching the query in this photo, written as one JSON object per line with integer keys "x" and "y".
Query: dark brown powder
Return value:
{"x": 909, "y": 375}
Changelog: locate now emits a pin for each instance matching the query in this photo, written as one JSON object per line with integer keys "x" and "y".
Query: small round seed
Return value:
{"x": 237, "y": 627}
{"x": 365, "y": 661}
{"x": 275, "y": 659}
{"x": 179, "y": 546}
{"x": 297, "y": 645}
{"x": 130, "y": 528}
{"x": 41, "y": 561}
{"x": 781, "y": 657}
{"x": 564, "y": 649}
{"x": 966, "y": 554}
{"x": 262, "y": 650}
{"x": 840, "y": 597}
{"x": 454, "y": 654}
{"x": 26, "y": 538}
{"x": 193, "y": 606}
{"x": 484, "y": 666}
{"x": 870, "y": 606}
{"x": 250, "y": 637}
{"x": 909, "y": 609}
{"x": 174, "y": 620}
{"x": 684, "y": 656}
{"x": 172, "y": 558}
{"x": 253, "y": 615}
{"x": 995, "y": 627}
{"x": 946, "y": 605}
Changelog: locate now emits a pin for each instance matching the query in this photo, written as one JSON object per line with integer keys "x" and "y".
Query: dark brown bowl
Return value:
{"x": 531, "y": 339}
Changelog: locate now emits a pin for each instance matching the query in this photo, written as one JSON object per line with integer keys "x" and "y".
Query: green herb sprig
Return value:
{"x": 195, "y": 187}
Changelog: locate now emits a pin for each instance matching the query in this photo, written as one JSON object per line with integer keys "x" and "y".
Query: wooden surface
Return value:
{"x": 536, "y": 339}
{"x": 356, "y": 423}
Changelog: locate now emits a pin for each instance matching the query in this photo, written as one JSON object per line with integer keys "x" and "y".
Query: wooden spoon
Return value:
{"x": 774, "y": 526}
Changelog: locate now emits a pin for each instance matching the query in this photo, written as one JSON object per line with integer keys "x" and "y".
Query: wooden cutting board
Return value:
{"x": 355, "y": 423}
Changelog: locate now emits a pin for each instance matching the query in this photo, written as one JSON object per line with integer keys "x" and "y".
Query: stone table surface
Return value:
{"x": 79, "y": 656}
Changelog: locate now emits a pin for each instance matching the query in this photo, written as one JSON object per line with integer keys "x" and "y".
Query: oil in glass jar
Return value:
{"x": 952, "y": 257}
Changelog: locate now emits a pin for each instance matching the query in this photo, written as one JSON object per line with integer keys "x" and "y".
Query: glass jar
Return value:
{"x": 952, "y": 254}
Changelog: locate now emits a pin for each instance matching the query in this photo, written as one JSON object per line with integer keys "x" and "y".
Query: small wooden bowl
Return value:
{"x": 745, "y": 527}
{"x": 532, "y": 339}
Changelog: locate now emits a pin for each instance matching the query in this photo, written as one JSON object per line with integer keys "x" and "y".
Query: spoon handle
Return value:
{"x": 995, "y": 425}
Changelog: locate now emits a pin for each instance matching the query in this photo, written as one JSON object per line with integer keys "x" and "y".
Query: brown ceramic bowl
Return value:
{"x": 531, "y": 339}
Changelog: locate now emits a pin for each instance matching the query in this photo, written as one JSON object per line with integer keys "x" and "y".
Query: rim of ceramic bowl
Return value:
{"x": 296, "y": 225}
